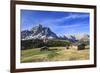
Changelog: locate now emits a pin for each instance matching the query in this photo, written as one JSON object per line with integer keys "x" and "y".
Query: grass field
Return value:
{"x": 55, "y": 54}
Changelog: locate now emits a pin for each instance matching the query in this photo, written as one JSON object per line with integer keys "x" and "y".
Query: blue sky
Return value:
{"x": 62, "y": 23}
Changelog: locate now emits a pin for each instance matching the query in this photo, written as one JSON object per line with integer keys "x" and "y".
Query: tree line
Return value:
{"x": 37, "y": 43}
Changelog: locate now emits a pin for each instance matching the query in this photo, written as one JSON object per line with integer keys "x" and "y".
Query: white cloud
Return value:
{"x": 66, "y": 18}
{"x": 71, "y": 16}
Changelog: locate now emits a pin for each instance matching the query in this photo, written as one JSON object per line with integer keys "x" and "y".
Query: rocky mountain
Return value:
{"x": 38, "y": 32}
{"x": 41, "y": 32}
{"x": 76, "y": 37}
{"x": 84, "y": 37}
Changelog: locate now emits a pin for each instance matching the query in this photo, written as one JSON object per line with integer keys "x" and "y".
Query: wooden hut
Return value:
{"x": 81, "y": 46}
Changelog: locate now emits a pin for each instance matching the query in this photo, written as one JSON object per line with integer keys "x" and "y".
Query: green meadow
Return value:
{"x": 53, "y": 54}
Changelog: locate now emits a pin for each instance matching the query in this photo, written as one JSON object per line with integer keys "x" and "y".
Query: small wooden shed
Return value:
{"x": 44, "y": 48}
{"x": 81, "y": 46}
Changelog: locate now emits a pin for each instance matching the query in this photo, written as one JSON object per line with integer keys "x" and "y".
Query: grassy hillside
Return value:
{"x": 54, "y": 54}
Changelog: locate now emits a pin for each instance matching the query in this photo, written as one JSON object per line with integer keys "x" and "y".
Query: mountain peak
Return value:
{"x": 40, "y": 32}
{"x": 39, "y": 25}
